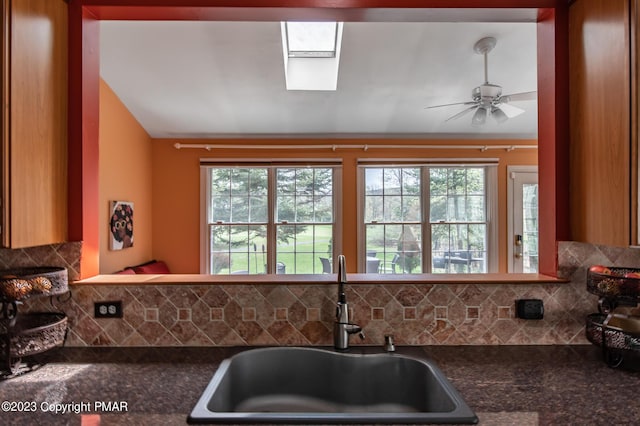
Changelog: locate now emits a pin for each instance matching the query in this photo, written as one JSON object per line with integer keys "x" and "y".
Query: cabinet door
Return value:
{"x": 35, "y": 122}
{"x": 600, "y": 122}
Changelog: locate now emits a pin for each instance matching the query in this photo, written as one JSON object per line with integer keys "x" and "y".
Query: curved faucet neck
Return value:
{"x": 342, "y": 328}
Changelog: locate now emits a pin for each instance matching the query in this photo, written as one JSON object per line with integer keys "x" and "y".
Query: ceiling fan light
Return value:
{"x": 499, "y": 115}
{"x": 479, "y": 117}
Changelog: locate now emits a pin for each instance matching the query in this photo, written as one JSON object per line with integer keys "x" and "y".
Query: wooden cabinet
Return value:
{"x": 34, "y": 122}
{"x": 603, "y": 126}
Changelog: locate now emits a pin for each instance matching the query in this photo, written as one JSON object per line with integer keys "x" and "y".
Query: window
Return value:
{"x": 458, "y": 219}
{"x": 393, "y": 220}
{"x": 457, "y": 237}
{"x": 268, "y": 219}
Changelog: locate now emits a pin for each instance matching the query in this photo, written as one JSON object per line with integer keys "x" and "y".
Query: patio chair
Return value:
{"x": 326, "y": 265}
{"x": 390, "y": 267}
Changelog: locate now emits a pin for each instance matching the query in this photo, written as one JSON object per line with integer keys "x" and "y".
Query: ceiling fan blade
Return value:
{"x": 509, "y": 110}
{"x": 523, "y": 96}
{"x": 461, "y": 113}
{"x": 446, "y": 105}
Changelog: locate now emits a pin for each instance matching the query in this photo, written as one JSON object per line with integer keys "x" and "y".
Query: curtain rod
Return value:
{"x": 365, "y": 147}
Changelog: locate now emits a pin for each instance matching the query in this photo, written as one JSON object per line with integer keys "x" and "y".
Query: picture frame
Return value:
{"x": 120, "y": 225}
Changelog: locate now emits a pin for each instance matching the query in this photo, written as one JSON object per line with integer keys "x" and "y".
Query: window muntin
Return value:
{"x": 454, "y": 198}
{"x": 245, "y": 236}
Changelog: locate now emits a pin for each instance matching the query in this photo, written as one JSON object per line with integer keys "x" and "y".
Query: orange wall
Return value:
{"x": 125, "y": 171}
{"x": 176, "y": 187}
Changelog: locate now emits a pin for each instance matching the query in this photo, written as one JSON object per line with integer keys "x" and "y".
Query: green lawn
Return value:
{"x": 302, "y": 255}
{"x": 299, "y": 256}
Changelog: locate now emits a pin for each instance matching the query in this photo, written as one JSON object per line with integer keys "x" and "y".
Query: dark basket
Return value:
{"x": 614, "y": 331}
{"x": 58, "y": 277}
{"x": 615, "y": 285}
{"x": 33, "y": 333}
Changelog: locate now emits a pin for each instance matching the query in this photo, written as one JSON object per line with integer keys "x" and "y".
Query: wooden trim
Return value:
{"x": 259, "y": 10}
{"x": 129, "y": 6}
{"x": 553, "y": 136}
{"x": 553, "y": 127}
{"x": 344, "y": 4}
{"x": 5, "y": 196}
{"x": 83, "y": 118}
{"x": 327, "y": 279}
{"x": 633, "y": 130}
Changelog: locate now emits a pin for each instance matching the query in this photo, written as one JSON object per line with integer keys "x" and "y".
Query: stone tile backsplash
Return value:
{"x": 302, "y": 314}
{"x": 64, "y": 255}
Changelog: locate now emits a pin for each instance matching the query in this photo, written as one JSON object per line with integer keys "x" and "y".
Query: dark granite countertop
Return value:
{"x": 504, "y": 385}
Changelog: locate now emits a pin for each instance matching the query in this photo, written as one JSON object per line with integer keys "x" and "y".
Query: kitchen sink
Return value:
{"x": 313, "y": 385}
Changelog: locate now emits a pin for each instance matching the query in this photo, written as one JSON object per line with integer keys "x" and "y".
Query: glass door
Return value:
{"x": 523, "y": 223}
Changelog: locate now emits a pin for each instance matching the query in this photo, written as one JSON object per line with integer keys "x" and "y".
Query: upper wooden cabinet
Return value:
{"x": 603, "y": 122}
{"x": 34, "y": 122}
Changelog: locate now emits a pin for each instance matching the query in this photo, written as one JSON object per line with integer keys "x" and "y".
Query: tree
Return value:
{"x": 456, "y": 196}
{"x": 409, "y": 249}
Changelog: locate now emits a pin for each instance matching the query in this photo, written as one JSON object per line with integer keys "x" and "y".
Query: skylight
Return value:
{"x": 311, "y": 53}
{"x": 311, "y": 39}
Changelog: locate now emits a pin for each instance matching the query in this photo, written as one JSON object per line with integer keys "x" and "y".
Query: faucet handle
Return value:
{"x": 389, "y": 346}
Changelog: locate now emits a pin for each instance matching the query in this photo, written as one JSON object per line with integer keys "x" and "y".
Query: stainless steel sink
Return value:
{"x": 310, "y": 385}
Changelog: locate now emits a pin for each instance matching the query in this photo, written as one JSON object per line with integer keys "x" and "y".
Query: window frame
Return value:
{"x": 491, "y": 205}
{"x": 206, "y": 165}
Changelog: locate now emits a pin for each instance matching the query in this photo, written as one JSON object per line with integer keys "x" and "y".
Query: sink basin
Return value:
{"x": 311, "y": 385}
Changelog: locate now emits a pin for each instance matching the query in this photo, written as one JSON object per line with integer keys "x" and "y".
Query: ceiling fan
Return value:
{"x": 487, "y": 99}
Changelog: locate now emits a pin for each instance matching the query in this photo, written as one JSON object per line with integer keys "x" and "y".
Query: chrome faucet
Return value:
{"x": 342, "y": 328}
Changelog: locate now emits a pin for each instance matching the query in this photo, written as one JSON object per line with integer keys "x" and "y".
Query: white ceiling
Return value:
{"x": 186, "y": 79}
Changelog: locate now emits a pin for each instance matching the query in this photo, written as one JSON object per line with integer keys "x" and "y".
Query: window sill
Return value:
{"x": 163, "y": 279}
